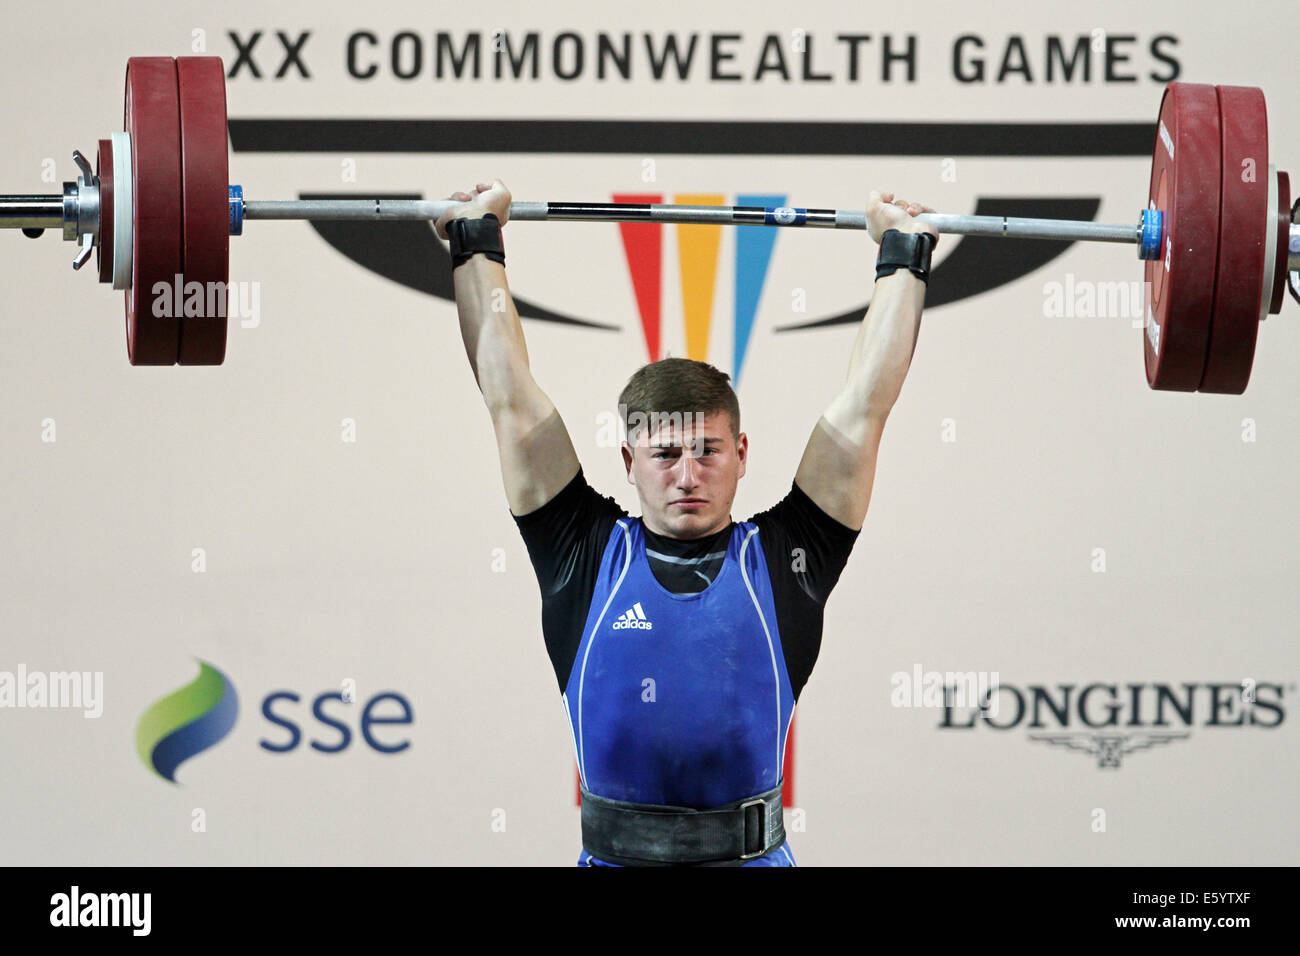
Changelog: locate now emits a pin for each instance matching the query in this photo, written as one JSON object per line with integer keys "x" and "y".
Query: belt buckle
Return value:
{"x": 757, "y": 802}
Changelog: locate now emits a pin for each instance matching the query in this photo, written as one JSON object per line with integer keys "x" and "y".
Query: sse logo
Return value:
{"x": 198, "y": 716}
{"x": 187, "y": 722}
{"x": 369, "y": 719}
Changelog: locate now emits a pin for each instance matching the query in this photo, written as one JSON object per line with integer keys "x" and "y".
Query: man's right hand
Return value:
{"x": 493, "y": 198}
{"x": 884, "y": 212}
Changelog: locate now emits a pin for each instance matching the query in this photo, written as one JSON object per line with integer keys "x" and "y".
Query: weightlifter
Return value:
{"x": 682, "y": 639}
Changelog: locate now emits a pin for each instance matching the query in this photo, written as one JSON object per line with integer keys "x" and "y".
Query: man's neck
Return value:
{"x": 705, "y": 538}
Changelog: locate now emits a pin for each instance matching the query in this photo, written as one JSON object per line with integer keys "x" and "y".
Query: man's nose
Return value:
{"x": 686, "y": 467}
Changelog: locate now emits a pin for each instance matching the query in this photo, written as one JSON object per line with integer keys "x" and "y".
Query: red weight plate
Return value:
{"x": 104, "y": 245}
{"x": 1283, "y": 243}
{"x": 1185, "y": 184}
{"x": 205, "y": 184}
{"x": 1244, "y": 221}
{"x": 153, "y": 120}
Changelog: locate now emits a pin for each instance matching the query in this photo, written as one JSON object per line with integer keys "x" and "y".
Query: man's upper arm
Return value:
{"x": 537, "y": 455}
{"x": 839, "y": 463}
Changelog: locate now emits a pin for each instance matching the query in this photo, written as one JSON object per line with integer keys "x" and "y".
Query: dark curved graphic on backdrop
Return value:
{"x": 980, "y": 264}
{"x": 411, "y": 254}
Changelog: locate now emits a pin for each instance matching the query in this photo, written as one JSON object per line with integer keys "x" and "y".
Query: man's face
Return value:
{"x": 685, "y": 468}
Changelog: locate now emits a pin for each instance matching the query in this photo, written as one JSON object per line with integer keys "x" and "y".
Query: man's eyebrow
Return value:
{"x": 677, "y": 443}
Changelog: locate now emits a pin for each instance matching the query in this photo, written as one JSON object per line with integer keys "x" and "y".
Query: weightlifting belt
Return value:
{"x": 641, "y": 834}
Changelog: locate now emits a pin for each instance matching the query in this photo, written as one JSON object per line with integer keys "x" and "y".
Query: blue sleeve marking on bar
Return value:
{"x": 784, "y": 216}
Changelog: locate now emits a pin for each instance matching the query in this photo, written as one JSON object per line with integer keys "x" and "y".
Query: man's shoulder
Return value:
{"x": 567, "y": 536}
{"x": 578, "y": 499}
{"x": 797, "y": 510}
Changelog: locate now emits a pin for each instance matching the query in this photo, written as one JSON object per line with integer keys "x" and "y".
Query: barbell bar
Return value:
{"x": 378, "y": 210}
{"x": 1219, "y": 238}
{"x": 46, "y": 212}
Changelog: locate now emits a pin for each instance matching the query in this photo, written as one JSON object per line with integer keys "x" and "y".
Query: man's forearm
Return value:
{"x": 490, "y": 327}
{"x": 886, "y": 340}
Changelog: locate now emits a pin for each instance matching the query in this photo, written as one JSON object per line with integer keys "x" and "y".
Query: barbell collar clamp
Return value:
{"x": 1293, "y": 254}
{"x": 236, "y": 210}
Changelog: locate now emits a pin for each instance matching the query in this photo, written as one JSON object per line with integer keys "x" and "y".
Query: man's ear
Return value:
{"x": 627, "y": 462}
{"x": 742, "y": 453}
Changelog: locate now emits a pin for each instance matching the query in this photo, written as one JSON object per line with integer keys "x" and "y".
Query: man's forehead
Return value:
{"x": 684, "y": 427}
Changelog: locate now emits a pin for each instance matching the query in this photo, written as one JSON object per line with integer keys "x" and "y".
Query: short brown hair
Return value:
{"x": 680, "y": 386}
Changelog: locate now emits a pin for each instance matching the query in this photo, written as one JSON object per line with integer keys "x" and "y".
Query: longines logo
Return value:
{"x": 1109, "y": 748}
{"x": 1112, "y": 721}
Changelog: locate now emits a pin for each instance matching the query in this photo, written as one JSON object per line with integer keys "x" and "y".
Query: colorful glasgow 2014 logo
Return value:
{"x": 187, "y": 722}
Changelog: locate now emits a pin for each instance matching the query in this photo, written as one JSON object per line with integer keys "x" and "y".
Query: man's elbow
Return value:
{"x": 858, "y": 424}
{"x": 871, "y": 399}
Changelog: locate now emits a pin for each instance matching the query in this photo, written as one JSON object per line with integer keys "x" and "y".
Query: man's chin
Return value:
{"x": 690, "y": 524}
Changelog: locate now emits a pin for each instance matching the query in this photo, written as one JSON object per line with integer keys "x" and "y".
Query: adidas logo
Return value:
{"x": 634, "y": 618}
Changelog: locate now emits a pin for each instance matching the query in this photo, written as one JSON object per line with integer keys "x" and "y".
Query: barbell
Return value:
{"x": 1219, "y": 238}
